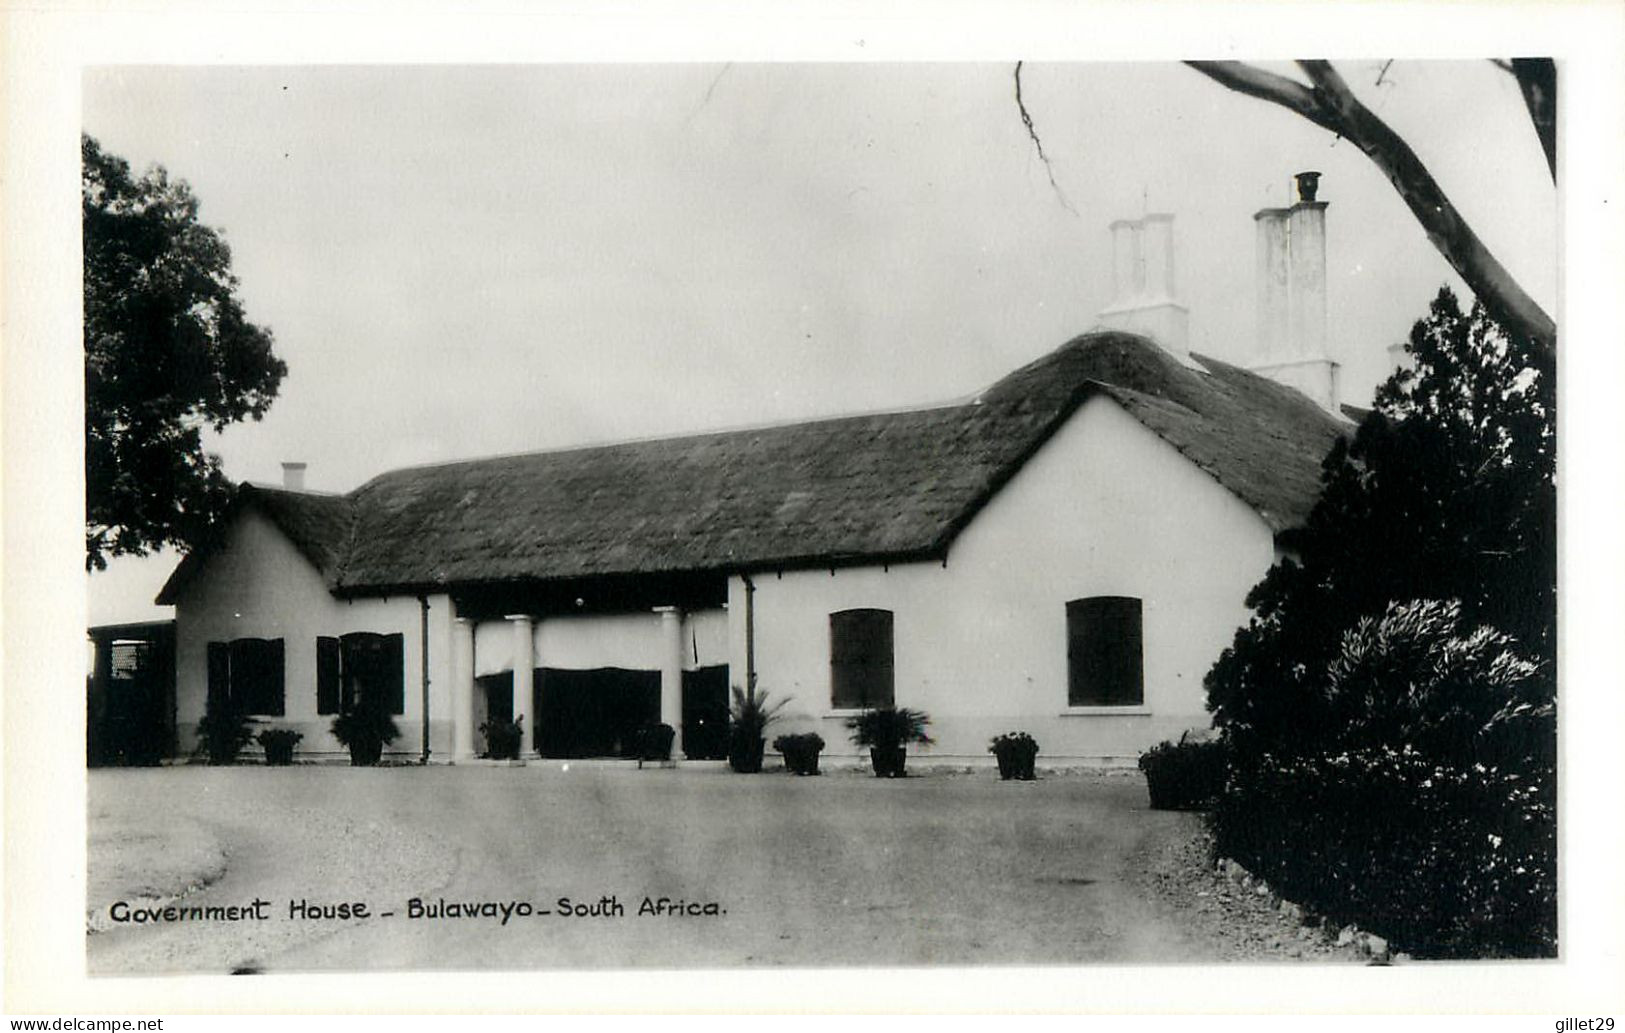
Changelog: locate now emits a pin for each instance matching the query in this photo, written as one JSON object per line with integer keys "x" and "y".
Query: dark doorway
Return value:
{"x": 593, "y": 713}
{"x": 497, "y": 690}
{"x": 705, "y": 713}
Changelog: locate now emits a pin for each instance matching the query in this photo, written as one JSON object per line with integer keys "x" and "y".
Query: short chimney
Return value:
{"x": 1291, "y": 275}
{"x": 293, "y": 476}
{"x": 1144, "y": 299}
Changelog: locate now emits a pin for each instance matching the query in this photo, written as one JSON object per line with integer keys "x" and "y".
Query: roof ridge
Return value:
{"x": 966, "y": 402}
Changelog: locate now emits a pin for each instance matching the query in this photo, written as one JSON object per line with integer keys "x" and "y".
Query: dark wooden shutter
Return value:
{"x": 328, "y": 696}
{"x": 256, "y": 676}
{"x": 861, "y": 651}
{"x": 394, "y": 672}
{"x": 1105, "y": 653}
{"x": 219, "y": 676}
{"x": 274, "y": 689}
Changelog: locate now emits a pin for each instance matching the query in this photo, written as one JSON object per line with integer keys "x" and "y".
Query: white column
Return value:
{"x": 462, "y": 690}
{"x": 524, "y": 662}
{"x": 671, "y": 673}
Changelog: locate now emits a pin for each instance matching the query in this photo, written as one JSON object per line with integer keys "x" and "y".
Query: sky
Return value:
{"x": 458, "y": 261}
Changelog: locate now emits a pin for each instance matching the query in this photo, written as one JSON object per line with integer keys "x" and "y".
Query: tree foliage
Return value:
{"x": 168, "y": 352}
{"x": 1446, "y": 491}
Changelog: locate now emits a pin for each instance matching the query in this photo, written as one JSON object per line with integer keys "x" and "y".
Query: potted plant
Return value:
{"x": 653, "y": 743}
{"x": 365, "y": 730}
{"x": 502, "y": 738}
{"x": 1015, "y": 752}
{"x": 887, "y": 731}
{"x": 279, "y": 744}
{"x": 800, "y": 752}
{"x": 747, "y": 729}
{"x": 223, "y": 732}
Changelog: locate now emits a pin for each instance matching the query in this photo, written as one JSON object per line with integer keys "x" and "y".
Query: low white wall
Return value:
{"x": 1104, "y": 508}
{"x": 260, "y": 586}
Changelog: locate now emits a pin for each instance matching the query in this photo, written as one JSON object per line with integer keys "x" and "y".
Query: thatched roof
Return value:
{"x": 885, "y": 487}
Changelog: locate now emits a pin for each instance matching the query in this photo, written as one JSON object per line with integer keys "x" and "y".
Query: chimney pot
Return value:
{"x": 293, "y": 476}
{"x": 1308, "y": 186}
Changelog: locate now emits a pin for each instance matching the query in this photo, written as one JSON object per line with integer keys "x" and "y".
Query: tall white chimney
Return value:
{"x": 1291, "y": 272}
{"x": 293, "y": 476}
{"x": 1144, "y": 298}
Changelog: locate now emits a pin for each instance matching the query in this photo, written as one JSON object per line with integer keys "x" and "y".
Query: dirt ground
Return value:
{"x": 843, "y": 869}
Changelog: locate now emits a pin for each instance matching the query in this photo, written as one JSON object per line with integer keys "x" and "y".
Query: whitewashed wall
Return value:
{"x": 630, "y": 640}
{"x": 260, "y": 586}
{"x": 1104, "y": 508}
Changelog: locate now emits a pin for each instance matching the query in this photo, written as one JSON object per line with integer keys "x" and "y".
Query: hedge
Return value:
{"x": 1446, "y": 861}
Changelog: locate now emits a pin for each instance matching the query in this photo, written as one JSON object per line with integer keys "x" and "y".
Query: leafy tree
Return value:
{"x": 168, "y": 351}
{"x": 1447, "y": 491}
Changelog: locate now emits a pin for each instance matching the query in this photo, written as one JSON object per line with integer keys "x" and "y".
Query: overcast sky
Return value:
{"x": 460, "y": 261}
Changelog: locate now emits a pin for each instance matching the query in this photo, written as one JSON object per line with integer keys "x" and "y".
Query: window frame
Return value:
{"x": 248, "y": 686}
{"x": 1105, "y": 654}
{"x": 862, "y": 658}
{"x": 336, "y": 674}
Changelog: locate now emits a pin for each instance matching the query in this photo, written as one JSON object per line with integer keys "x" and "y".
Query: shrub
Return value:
{"x": 223, "y": 732}
{"x": 502, "y": 738}
{"x": 1016, "y": 753}
{"x": 365, "y": 730}
{"x": 1418, "y": 676}
{"x": 800, "y": 752}
{"x": 1185, "y": 776}
{"x": 751, "y": 715}
{"x": 1450, "y": 861}
{"x": 279, "y": 744}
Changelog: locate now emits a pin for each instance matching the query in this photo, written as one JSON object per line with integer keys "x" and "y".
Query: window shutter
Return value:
{"x": 219, "y": 676}
{"x": 256, "y": 676}
{"x": 394, "y": 672}
{"x": 1105, "y": 656}
{"x": 273, "y": 696}
{"x": 328, "y": 699}
{"x": 861, "y": 651}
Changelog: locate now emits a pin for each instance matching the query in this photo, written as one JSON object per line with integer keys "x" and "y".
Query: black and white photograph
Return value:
{"x": 866, "y": 511}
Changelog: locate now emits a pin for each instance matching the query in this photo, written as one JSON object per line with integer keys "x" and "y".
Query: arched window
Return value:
{"x": 860, "y": 659}
{"x": 1104, "y": 658}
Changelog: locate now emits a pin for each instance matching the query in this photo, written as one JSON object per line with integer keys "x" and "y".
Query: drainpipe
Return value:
{"x": 423, "y": 655}
{"x": 750, "y": 632}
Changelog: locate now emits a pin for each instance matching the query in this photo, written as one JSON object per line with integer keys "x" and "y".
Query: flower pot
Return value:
{"x": 365, "y": 754}
{"x": 1016, "y": 765}
{"x": 801, "y": 762}
{"x": 279, "y": 754}
{"x": 888, "y": 761}
{"x": 745, "y": 755}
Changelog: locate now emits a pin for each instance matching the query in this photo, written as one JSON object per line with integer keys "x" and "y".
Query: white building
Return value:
{"x": 1065, "y": 554}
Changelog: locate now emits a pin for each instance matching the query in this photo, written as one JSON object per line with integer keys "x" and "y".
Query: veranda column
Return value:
{"x": 671, "y": 673}
{"x": 524, "y": 663}
{"x": 462, "y": 690}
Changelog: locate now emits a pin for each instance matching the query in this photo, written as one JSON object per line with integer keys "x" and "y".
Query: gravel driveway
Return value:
{"x": 843, "y": 869}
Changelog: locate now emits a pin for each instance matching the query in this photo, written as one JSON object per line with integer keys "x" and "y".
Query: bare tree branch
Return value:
{"x": 1537, "y": 78}
{"x": 1032, "y": 132}
{"x": 1330, "y": 104}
